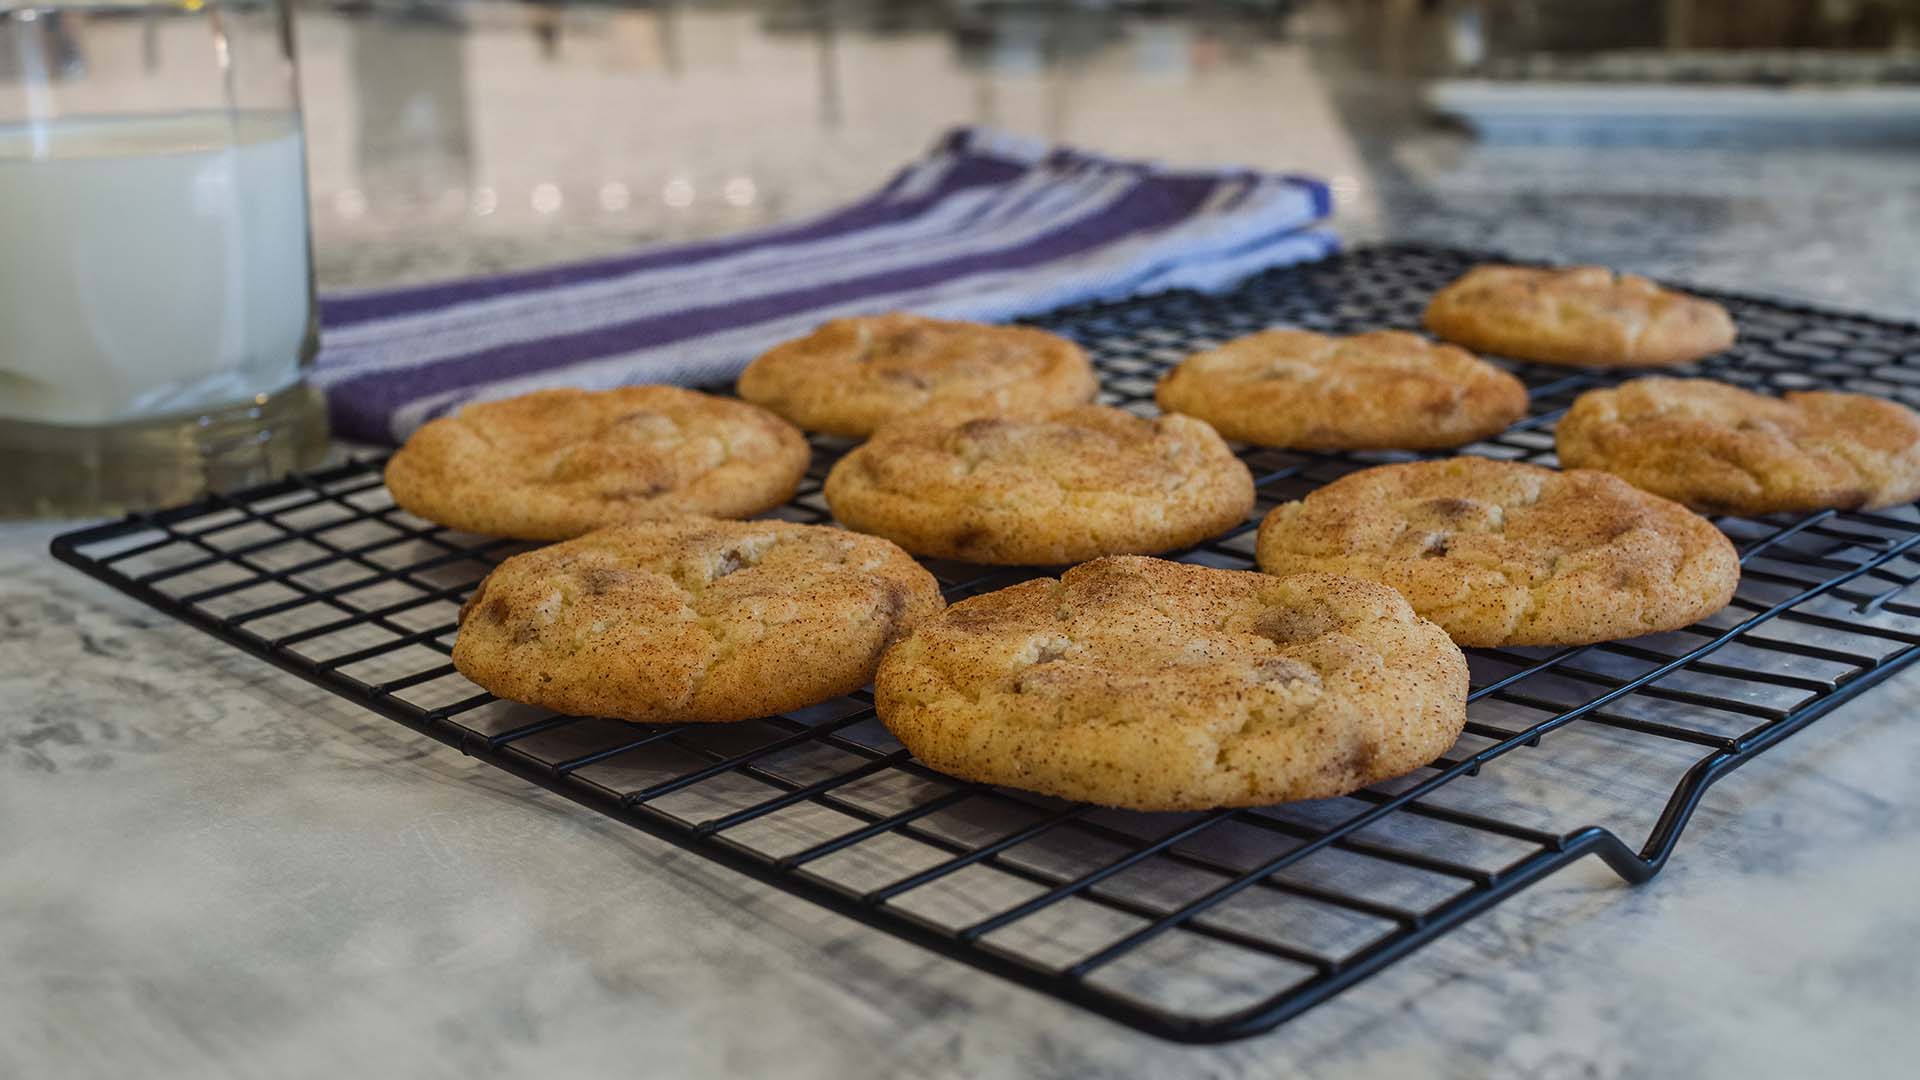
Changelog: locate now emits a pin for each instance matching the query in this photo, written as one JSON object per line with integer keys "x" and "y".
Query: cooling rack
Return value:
{"x": 1198, "y": 927}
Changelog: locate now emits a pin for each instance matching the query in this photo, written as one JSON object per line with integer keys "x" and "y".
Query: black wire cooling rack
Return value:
{"x": 1199, "y": 927}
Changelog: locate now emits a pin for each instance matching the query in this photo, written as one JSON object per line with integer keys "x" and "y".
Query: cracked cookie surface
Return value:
{"x": 852, "y": 375}
{"x": 1155, "y": 685}
{"x": 1586, "y": 315}
{"x": 1040, "y": 488}
{"x": 558, "y": 463}
{"x": 1504, "y": 553}
{"x": 1381, "y": 390}
{"x": 1723, "y": 449}
{"x": 691, "y": 620}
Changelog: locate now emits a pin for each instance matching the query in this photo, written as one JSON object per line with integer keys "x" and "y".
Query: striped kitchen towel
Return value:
{"x": 987, "y": 226}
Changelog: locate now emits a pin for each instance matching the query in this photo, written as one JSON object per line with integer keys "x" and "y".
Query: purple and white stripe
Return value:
{"x": 987, "y": 226}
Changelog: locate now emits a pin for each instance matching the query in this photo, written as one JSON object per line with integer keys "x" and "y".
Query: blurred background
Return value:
{"x": 1767, "y": 145}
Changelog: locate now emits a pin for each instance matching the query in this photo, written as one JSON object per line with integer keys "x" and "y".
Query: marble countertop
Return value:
{"x": 210, "y": 868}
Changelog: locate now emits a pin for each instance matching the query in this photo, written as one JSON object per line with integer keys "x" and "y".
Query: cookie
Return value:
{"x": 1501, "y": 553}
{"x": 1585, "y": 315}
{"x": 691, "y": 620}
{"x": 1382, "y": 390}
{"x": 852, "y": 375}
{"x": 1721, "y": 449}
{"x": 1156, "y": 685}
{"x": 558, "y": 463}
{"x": 1040, "y": 488}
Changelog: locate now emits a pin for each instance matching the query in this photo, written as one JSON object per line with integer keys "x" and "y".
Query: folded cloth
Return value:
{"x": 986, "y": 226}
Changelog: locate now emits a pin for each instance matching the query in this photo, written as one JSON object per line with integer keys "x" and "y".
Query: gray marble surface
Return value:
{"x": 208, "y": 868}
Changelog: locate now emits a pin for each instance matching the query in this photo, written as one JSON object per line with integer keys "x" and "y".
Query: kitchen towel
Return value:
{"x": 987, "y": 226}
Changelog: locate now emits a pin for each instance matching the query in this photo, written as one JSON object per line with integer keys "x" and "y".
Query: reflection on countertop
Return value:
{"x": 450, "y": 140}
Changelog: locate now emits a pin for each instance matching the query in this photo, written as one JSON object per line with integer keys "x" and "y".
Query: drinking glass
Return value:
{"x": 156, "y": 286}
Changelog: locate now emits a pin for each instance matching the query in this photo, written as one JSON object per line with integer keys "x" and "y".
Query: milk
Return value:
{"x": 150, "y": 264}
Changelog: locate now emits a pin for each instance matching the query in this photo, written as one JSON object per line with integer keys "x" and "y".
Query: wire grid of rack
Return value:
{"x": 1199, "y": 927}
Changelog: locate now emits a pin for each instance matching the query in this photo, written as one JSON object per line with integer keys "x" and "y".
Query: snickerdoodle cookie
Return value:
{"x": 1040, "y": 488}
{"x": 1381, "y": 390}
{"x": 1502, "y": 553}
{"x": 1585, "y": 315}
{"x": 852, "y": 375}
{"x": 1722, "y": 449}
{"x": 557, "y": 463}
{"x": 1156, "y": 685}
{"x": 691, "y": 620}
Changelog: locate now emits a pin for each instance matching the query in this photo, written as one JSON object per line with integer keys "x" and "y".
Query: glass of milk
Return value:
{"x": 156, "y": 289}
